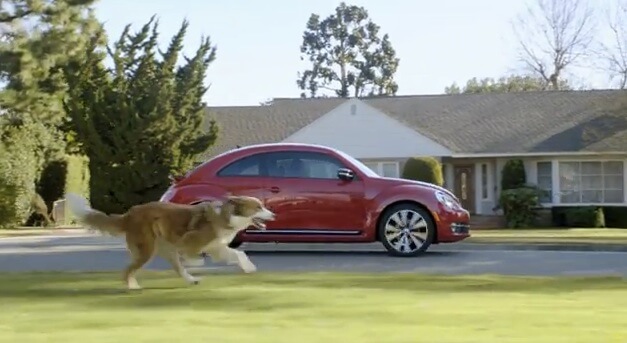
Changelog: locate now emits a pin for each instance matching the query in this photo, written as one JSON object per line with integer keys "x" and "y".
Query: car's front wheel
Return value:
{"x": 406, "y": 230}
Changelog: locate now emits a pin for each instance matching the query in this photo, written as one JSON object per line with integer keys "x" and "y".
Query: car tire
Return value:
{"x": 406, "y": 230}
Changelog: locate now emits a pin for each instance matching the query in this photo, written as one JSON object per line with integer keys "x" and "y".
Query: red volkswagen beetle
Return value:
{"x": 322, "y": 195}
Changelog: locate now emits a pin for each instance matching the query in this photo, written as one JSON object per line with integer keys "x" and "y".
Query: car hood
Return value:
{"x": 397, "y": 182}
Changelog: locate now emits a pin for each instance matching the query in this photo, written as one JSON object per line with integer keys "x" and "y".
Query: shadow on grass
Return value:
{"x": 267, "y": 291}
{"x": 161, "y": 290}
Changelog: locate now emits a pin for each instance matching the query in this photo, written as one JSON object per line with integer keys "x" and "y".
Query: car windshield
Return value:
{"x": 357, "y": 163}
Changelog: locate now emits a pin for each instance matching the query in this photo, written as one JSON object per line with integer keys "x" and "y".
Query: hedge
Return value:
{"x": 18, "y": 171}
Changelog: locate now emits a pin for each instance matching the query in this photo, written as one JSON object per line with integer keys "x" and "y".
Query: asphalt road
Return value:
{"x": 98, "y": 253}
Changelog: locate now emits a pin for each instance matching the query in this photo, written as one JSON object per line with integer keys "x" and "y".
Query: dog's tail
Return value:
{"x": 93, "y": 219}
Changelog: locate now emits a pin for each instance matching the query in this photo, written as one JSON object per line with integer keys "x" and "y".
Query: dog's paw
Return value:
{"x": 133, "y": 285}
{"x": 193, "y": 280}
{"x": 249, "y": 268}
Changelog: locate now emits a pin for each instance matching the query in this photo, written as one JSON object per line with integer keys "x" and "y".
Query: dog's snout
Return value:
{"x": 269, "y": 214}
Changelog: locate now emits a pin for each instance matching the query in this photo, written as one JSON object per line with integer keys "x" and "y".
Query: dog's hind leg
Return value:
{"x": 169, "y": 253}
{"x": 141, "y": 253}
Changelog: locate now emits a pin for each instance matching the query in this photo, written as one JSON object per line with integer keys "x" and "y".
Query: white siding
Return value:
{"x": 364, "y": 132}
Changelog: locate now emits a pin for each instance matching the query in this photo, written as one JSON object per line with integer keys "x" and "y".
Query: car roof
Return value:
{"x": 270, "y": 147}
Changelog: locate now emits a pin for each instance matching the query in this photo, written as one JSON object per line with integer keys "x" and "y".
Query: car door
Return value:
{"x": 308, "y": 196}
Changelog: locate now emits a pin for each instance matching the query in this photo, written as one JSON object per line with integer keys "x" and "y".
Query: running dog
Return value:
{"x": 164, "y": 229}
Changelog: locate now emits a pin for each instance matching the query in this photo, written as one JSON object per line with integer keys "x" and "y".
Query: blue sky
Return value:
{"x": 437, "y": 41}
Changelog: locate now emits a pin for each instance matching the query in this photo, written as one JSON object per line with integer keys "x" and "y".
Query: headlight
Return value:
{"x": 447, "y": 200}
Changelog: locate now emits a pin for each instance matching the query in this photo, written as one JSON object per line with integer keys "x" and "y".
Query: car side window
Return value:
{"x": 302, "y": 164}
{"x": 247, "y": 166}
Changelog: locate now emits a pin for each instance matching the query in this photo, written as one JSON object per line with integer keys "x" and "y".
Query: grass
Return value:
{"x": 547, "y": 236}
{"x": 312, "y": 307}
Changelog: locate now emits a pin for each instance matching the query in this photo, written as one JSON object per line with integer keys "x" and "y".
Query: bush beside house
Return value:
{"x": 18, "y": 172}
{"x": 426, "y": 169}
{"x": 518, "y": 200}
{"x": 513, "y": 175}
{"x": 589, "y": 216}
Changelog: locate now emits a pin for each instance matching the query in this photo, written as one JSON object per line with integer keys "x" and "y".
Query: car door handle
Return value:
{"x": 275, "y": 189}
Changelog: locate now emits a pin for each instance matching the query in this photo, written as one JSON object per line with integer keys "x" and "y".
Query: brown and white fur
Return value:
{"x": 163, "y": 229}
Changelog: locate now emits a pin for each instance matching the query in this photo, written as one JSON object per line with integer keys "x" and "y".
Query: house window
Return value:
{"x": 545, "y": 181}
{"x": 385, "y": 169}
{"x": 591, "y": 182}
{"x": 389, "y": 169}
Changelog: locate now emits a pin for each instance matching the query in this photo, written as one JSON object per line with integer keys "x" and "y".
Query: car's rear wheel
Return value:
{"x": 406, "y": 230}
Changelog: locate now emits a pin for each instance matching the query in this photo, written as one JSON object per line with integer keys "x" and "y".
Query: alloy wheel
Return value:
{"x": 406, "y": 231}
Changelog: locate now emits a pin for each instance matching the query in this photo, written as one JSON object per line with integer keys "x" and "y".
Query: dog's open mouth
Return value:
{"x": 259, "y": 223}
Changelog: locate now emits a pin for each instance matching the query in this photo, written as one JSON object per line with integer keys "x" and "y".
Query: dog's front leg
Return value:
{"x": 232, "y": 256}
{"x": 244, "y": 262}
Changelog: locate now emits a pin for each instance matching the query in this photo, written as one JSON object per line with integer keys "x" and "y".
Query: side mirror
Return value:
{"x": 345, "y": 174}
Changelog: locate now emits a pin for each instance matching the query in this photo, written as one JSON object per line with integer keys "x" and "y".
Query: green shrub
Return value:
{"x": 519, "y": 206}
{"x": 18, "y": 170}
{"x": 70, "y": 174}
{"x": 513, "y": 175}
{"x": 426, "y": 169}
{"x": 580, "y": 216}
{"x": 589, "y": 216}
{"x": 615, "y": 216}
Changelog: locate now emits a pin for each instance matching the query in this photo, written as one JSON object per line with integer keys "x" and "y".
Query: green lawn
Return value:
{"x": 587, "y": 236}
{"x": 311, "y": 308}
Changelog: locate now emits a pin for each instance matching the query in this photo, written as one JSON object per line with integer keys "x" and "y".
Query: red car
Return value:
{"x": 322, "y": 195}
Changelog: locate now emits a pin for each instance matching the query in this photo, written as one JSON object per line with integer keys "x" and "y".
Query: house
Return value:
{"x": 573, "y": 143}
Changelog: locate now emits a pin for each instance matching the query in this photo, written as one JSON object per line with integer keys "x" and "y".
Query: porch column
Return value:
{"x": 555, "y": 182}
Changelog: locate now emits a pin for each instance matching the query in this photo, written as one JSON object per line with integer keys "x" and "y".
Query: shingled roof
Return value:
{"x": 549, "y": 121}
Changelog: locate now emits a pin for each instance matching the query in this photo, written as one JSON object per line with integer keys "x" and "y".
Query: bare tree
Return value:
{"x": 614, "y": 52}
{"x": 553, "y": 35}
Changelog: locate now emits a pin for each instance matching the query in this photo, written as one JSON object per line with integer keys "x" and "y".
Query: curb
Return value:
{"x": 362, "y": 247}
{"x": 378, "y": 248}
{"x": 545, "y": 247}
{"x": 6, "y": 234}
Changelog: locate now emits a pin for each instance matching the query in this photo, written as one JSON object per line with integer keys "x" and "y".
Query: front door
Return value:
{"x": 465, "y": 186}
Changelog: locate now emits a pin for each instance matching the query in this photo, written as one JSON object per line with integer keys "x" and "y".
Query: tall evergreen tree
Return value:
{"x": 142, "y": 119}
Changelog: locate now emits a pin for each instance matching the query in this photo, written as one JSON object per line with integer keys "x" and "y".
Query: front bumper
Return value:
{"x": 453, "y": 226}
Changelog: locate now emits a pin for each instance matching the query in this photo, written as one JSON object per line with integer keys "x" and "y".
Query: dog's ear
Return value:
{"x": 227, "y": 209}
